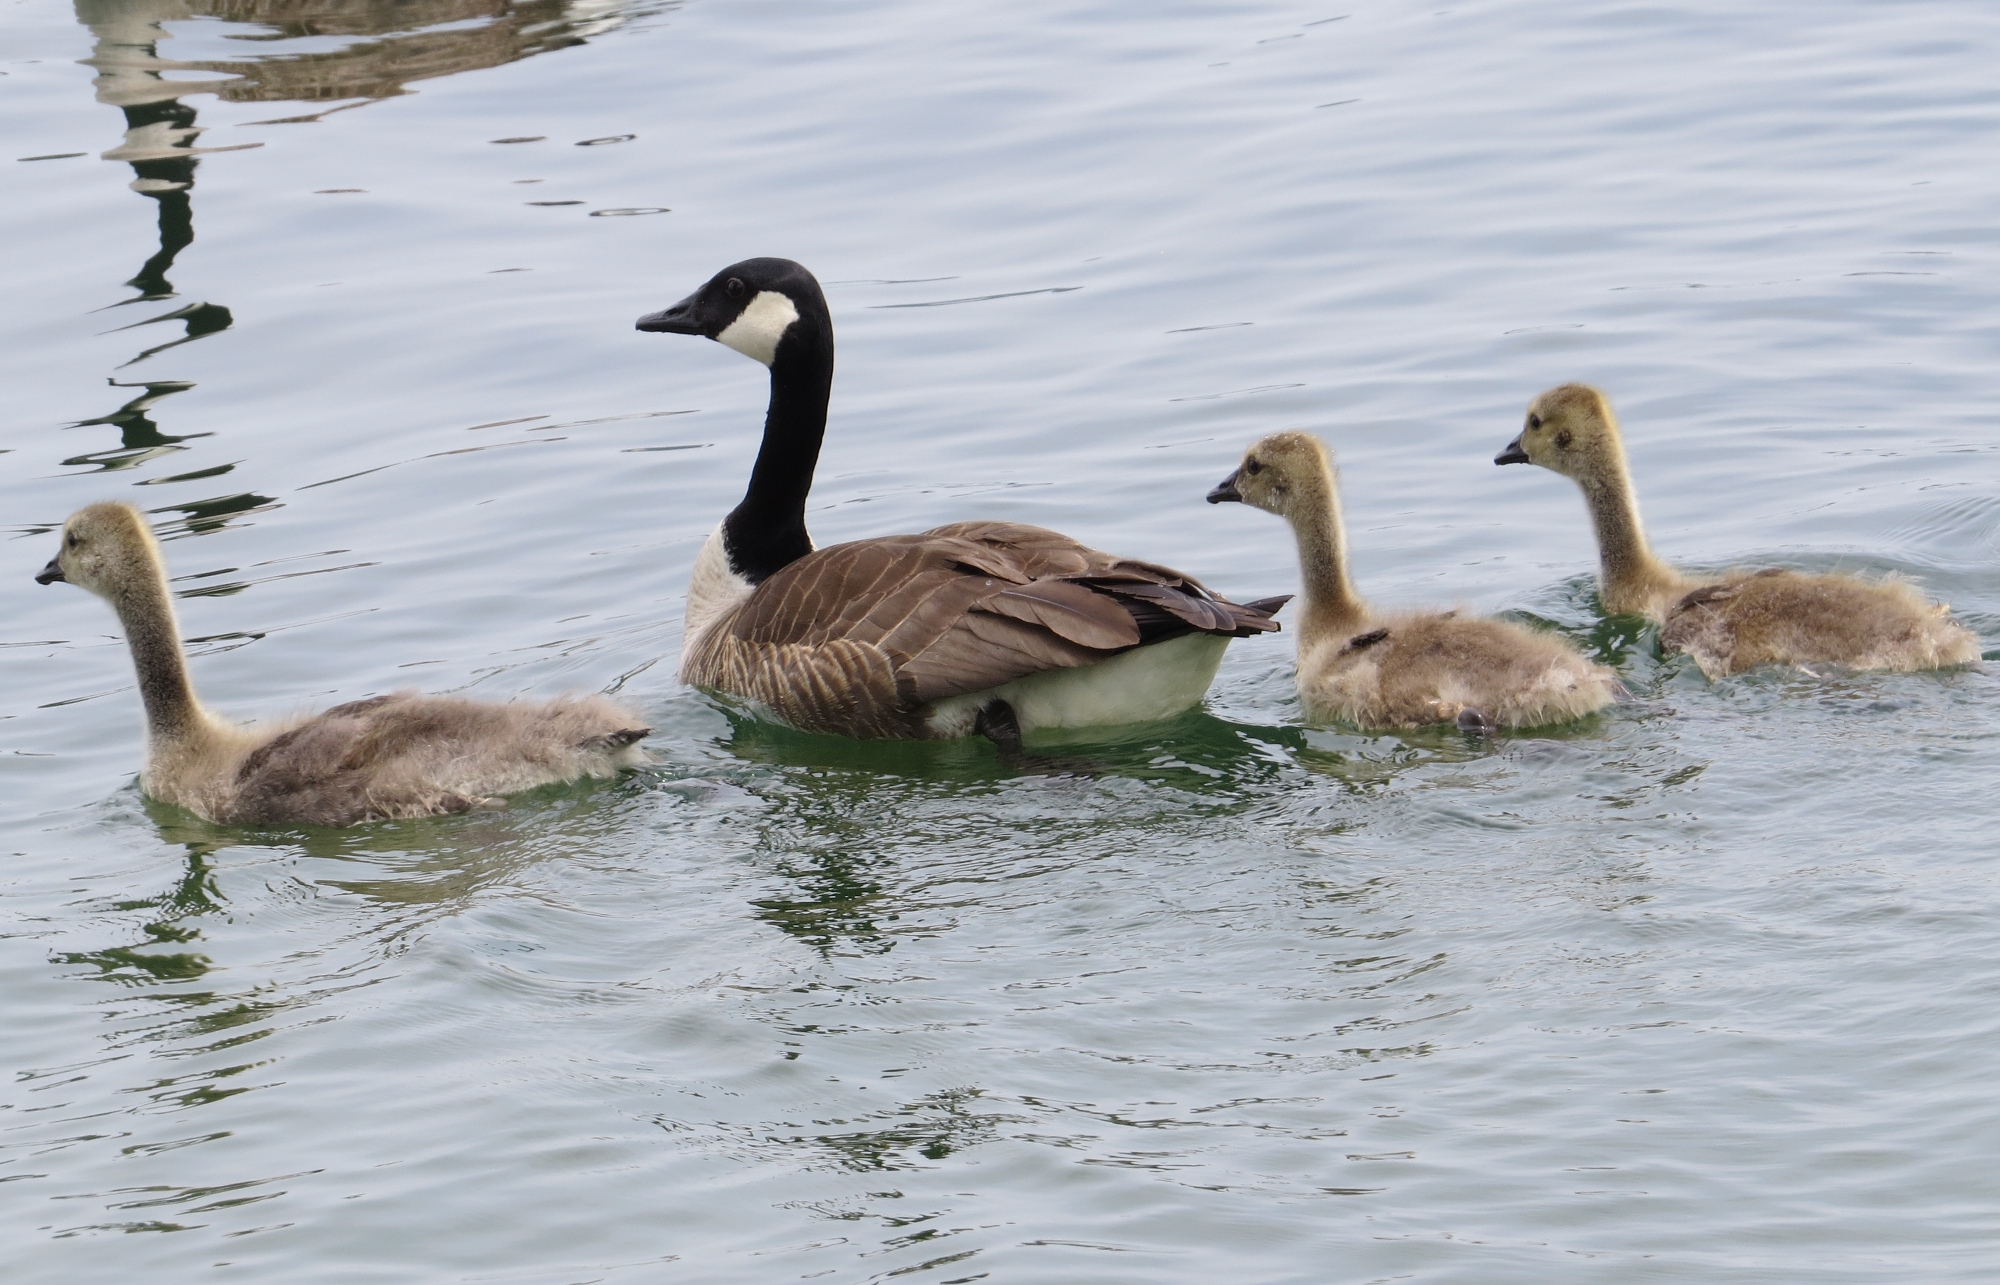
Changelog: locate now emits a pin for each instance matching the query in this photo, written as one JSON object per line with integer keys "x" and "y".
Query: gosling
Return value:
{"x": 1402, "y": 669}
{"x": 1737, "y": 621}
{"x": 403, "y": 755}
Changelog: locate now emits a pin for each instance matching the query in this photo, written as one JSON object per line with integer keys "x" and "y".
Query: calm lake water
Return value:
{"x": 1705, "y": 989}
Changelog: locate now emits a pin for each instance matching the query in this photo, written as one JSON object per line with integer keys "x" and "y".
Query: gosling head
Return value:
{"x": 752, "y": 306}
{"x": 1277, "y": 473}
{"x": 1569, "y": 429}
{"x": 104, "y": 546}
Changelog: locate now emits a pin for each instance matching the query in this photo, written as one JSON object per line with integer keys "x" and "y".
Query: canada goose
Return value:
{"x": 1732, "y": 622}
{"x": 1401, "y": 669}
{"x": 989, "y": 627}
{"x": 405, "y": 755}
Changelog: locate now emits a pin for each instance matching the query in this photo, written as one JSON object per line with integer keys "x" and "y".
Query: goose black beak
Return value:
{"x": 1513, "y": 454}
{"x": 1226, "y": 490}
{"x": 677, "y": 320}
{"x": 51, "y": 573}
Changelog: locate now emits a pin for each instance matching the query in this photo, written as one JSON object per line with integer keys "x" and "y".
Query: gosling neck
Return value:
{"x": 1630, "y": 579}
{"x": 1331, "y": 604}
{"x": 173, "y": 715}
{"x": 767, "y": 531}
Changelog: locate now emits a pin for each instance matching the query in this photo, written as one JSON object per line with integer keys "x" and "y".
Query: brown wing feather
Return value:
{"x": 1196, "y": 613}
{"x": 984, "y": 650}
{"x": 1034, "y": 551}
{"x": 859, "y": 638}
{"x": 1070, "y": 610}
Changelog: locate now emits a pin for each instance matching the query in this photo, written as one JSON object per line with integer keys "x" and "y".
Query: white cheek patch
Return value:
{"x": 757, "y": 329}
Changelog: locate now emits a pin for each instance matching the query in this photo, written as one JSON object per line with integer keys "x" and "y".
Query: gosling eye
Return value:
{"x": 1253, "y": 467}
{"x": 1534, "y": 421}
{"x": 72, "y": 540}
{"x": 734, "y": 287}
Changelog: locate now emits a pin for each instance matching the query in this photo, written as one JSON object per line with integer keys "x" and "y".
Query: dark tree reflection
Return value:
{"x": 388, "y": 45}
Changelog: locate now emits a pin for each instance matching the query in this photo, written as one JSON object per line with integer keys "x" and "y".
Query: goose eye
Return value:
{"x": 733, "y": 287}
{"x": 1252, "y": 467}
{"x": 71, "y": 540}
{"x": 1534, "y": 421}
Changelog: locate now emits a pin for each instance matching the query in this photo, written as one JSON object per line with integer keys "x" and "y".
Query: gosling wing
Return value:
{"x": 410, "y": 755}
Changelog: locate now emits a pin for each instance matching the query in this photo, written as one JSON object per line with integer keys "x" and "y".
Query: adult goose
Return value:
{"x": 1733, "y": 622}
{"x": 975, "y": 627}
{"x": 1402, "y": 668}
{"x": 403, "y": 755}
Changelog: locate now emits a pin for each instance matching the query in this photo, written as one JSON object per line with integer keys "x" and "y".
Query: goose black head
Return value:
{"x": 750, "y": 306}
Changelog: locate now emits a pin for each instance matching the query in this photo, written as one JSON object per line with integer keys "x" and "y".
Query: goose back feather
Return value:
{"x": 866, "y": 638}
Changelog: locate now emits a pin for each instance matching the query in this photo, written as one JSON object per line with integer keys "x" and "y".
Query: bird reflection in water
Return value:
{"x": 165, "y": 955}
{"x": 389, "y": 45}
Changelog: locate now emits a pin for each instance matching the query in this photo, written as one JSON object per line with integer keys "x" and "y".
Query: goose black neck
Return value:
{"x": 767, "y": 531}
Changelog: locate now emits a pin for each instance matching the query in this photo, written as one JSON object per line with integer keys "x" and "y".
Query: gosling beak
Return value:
{"x": 51, "y": 573}
{"x": 1226, "y": 489}
{"x": 677, "y": 320}
{"x": 1513, "y": 454}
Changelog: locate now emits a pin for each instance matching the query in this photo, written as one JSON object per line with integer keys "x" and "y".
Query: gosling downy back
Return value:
{"x": 1778, "y": 617}
{"x": 967, "y": 627}
{"x": 403, "y": 755}
{"x": 1737, "y": 621}
{"x": 1407, "y": 668}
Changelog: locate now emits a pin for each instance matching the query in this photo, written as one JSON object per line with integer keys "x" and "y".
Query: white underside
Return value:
{"x": 713, "y": 588}
{"x": 1138, "y": 686}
